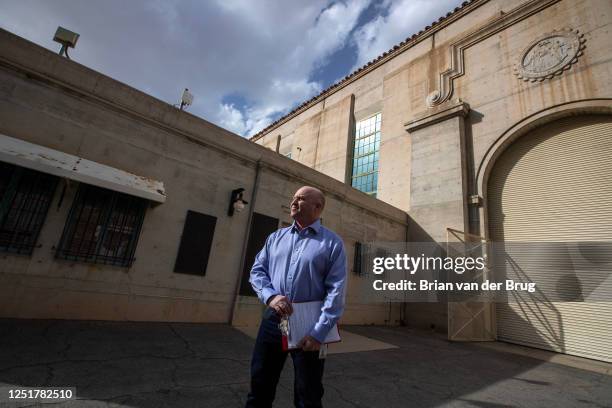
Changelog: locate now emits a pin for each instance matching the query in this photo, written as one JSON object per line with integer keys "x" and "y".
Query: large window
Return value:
{"x": 102, "y": 227}
{"x": 365, "y": 155}
{"x": 25, "y": 196}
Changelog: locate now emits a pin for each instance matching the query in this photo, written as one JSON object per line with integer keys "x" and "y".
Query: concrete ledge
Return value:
{"x": 435, "y": 115}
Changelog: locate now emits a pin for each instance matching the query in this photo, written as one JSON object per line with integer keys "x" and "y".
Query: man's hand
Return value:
{"x": 281, "y": 305}
{"x": 309, "y": 343}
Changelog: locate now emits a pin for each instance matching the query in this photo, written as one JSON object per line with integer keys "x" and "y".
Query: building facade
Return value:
{"x": 116, "y": 206}
{"x": 493, "y": 123}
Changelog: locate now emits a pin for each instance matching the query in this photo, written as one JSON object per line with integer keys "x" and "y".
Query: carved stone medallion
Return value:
{"x": 550, "y": 55}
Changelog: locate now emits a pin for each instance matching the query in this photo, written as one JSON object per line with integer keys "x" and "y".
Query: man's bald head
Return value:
{"x": 316, "y": 193}
{"x": 307, "y": 205}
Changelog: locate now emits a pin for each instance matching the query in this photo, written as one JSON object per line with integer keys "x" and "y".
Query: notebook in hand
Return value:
{"x": 303, "y": 319}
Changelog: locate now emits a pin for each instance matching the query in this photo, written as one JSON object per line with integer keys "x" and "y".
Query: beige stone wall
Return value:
{"x": 497, "y": 98}
{"x": 56, "y": 103}
{"x": 430, "y": 160}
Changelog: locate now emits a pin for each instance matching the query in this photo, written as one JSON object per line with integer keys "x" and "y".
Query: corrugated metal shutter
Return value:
{"x": 555, "y": 184}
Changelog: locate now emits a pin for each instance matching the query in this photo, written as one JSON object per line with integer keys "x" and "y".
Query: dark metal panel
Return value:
{"x": 261, "y": 227}
{"x": 196, "y": 242}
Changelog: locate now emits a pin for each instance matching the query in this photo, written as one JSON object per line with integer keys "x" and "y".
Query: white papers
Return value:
{"x": 303, "y": 319}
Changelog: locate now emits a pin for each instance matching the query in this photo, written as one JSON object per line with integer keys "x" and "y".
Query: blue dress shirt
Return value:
{"x": 304, "y": 265}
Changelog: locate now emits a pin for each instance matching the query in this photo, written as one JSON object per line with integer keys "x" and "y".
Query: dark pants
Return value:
{"x": 268, "y": 361}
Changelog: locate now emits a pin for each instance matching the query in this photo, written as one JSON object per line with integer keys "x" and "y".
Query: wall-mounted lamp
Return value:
{"x": 236, "y": 202}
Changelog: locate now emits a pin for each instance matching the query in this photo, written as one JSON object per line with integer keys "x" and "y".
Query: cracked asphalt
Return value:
{"x": 125, "y": 364}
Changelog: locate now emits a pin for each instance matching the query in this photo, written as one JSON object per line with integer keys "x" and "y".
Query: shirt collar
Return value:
{"x": 315, "y": 226}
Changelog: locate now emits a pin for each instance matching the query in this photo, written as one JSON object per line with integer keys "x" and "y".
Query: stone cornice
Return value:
{"x": 438, "y": 114}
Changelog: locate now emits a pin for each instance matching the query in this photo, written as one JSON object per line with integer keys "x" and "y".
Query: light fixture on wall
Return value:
{"x": 237, "y": 203}
{"x": 67, "y": 38}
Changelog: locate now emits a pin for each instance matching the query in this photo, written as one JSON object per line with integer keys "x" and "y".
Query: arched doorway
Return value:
{"x": 554, "y": 184}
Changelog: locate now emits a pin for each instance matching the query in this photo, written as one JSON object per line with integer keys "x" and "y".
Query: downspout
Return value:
{"x": 402, "y": 321}
{"x": 245, "y": 241}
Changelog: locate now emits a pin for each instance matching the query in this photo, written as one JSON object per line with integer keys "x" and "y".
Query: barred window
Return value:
{"x": 103, "y": 227}
{"x": 365, "y": 155}
{"x": 25, "y": 196}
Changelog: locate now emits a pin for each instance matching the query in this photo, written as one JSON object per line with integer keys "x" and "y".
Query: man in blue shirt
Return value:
{"x": 301, "y": 263}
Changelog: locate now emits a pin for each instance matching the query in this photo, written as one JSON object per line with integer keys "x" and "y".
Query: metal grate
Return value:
{"x": 103, "y": 227}
{"x": 25, "y": 196}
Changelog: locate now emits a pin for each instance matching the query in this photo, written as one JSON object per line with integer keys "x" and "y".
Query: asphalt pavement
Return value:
{"x": 126, "y": 364}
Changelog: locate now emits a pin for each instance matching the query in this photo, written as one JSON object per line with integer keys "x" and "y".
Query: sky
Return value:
{"x": 247, "y": 62}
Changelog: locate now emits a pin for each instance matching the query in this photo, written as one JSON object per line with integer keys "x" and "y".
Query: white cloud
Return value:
{"x": 265, "y": 51}
{"x": 231, "y": 118}
{"x": 403, "y": 18}
{"x": 280, "y": 96}
{"x": 327, "y": 32}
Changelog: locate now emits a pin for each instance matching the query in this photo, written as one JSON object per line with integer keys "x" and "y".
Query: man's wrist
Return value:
{"x": 267, "y": 295}
{"x": 319, "y": 332}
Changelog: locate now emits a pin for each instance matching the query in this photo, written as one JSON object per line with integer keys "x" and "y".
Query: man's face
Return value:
{"x": 305, "y": 206}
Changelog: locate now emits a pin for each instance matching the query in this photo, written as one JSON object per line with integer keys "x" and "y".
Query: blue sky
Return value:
{"x": 247, "y": 62}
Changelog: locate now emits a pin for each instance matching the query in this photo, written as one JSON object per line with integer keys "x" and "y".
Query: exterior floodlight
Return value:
{"x": 67, "y": 38}
{"x": 186, "y": 99}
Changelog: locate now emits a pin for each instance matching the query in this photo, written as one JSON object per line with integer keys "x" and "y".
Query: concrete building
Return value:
{"x": 115, "y": 205}
{"x": 493, "y": 122}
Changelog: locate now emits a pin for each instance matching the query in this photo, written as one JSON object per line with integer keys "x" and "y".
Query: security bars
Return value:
{"x": 103, "y": 227}
{"x": 25, "y": 196}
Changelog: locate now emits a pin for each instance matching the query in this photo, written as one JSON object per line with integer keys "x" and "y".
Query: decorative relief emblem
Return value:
{"x": 550, "y": 55}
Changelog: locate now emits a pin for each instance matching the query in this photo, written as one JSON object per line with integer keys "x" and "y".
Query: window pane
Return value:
{"x": 365, "y": 154}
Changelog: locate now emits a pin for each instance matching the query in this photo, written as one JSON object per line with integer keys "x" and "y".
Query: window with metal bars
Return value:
{"x": 364, "y": 175}
{"x": 103, "y": 227}
{"x": 25, "y": 196}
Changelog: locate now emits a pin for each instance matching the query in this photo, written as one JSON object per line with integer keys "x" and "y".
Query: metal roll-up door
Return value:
{"x": 554, "y": 184}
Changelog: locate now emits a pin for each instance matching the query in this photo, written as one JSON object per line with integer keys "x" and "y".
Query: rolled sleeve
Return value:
{"x": 335, "y": 286}
{"x": 260, "y": 278}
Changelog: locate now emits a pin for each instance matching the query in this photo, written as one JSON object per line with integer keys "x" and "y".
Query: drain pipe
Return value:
{"x": 245, "y": 242}
{"x": 404, "y": 305}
